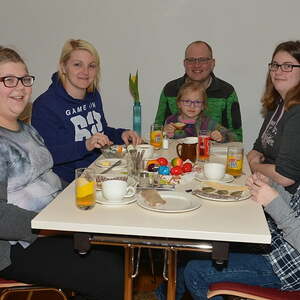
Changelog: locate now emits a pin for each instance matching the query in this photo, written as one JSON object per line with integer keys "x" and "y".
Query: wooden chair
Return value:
{"x": 9, "y": 287}
{"x": 246, "y": 291}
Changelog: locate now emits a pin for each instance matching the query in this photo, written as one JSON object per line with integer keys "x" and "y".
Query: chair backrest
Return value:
{"x": 8, "y": 287}
{"x": 250, "y": 292}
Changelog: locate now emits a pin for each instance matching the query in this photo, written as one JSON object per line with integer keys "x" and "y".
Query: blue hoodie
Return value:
{"x": 65, "y": 123}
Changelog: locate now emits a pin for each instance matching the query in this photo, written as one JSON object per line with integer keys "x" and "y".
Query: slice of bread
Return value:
{"x": 152, "y": 197}
{"x": 227, "y": 187}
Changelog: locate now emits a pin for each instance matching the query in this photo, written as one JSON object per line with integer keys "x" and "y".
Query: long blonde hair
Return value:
{"x": 72, "y": 45}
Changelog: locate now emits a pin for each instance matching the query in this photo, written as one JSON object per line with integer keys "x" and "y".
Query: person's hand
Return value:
{"x": 260, "y": 176}
{"x": 261, "y": 192}
{"x": 216, "y": 136}
{"x": 169, "y": 129}
{"x": 130, "y": 136}
{"x": 255, "y": 157}
{"x": 98, "y": 140}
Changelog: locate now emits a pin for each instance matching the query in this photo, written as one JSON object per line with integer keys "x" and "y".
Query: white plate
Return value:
{"x": 108, "y": 162}
{"x": 175, "y": 202}
{"x": 245, "y": 195}
{"x": 227, "y": 178}
{"x": 101, "y": 200}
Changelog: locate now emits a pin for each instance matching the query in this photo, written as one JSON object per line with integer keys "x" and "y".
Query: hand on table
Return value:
{"x": 130, "y": 136}
{"x": 98, "y": 140}
{"x": 260, "y": 190}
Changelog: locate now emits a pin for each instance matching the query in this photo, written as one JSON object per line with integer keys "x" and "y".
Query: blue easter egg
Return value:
{"x": 164, "y": 170}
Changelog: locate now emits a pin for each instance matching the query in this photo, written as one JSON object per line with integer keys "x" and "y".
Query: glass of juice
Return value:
{"x": 156, "y": 136}
{"x": 203, "y": 145}
{"x": 235, "y": 156}
{"x": 85, "y": 188}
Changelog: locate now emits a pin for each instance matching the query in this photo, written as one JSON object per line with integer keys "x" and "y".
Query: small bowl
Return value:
{"x": 114, "y": 151}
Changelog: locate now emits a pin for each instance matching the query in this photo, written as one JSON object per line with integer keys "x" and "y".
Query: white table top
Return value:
{"x": 242, "y": 221}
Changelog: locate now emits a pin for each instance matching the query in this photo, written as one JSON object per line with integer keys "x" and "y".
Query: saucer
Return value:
{"x": 101, "y": 200}
{"x": 226, "y": 179}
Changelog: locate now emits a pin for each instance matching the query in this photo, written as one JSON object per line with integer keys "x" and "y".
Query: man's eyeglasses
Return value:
{"x": 196, "y": 103}
{"x": 12, "y": 81}
{"x": 284, "y": 67}
{"x": 199, "y": 60}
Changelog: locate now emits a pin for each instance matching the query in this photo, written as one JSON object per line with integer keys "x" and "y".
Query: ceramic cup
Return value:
{"x": 188, "y": 149}
{"x": 214, "y": 171}
{"x": 148, "y": 150}
{"x": 115, "y": 190}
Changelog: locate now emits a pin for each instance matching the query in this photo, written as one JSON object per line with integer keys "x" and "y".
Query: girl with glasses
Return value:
{"x": 191, "y": 102}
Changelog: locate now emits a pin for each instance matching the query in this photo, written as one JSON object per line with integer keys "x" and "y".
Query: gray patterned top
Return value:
{"x": 26, "y": 170}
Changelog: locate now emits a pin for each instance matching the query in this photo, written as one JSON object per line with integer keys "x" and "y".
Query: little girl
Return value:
{"x": 191, "y": 101}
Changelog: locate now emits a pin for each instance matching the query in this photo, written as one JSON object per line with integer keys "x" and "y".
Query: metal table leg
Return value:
{"x": 128, "y": 272}
{"x": 172, "y": 269}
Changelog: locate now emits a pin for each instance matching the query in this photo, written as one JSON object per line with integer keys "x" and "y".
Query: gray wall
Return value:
{"x": 151, "y": 36}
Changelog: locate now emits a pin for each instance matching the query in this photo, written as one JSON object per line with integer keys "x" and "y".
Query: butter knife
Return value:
{"x": 161, "y": 187}
{"x": 117, "y": 163}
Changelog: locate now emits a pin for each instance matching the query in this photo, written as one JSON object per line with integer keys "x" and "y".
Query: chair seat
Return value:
{"x": 251, "y": 291}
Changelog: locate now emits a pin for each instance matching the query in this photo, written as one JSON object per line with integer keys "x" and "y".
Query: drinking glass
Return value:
{"x": 85, "y": 188}
{"x": 156, "y": 136}
{"x": 203, "y": 145}
{"x": 235, "y": 157}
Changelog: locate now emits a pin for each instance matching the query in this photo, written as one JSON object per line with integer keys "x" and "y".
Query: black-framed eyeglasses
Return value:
{"x": 196, "y": 103}
{"x": 286, "y": 67}
{"x": 199, "y": 60}
{"x": 12, "y": 81}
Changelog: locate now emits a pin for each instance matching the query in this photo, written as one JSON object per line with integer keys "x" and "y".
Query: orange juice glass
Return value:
{"x": 156, "y": 136}
{"x": 85, "y": 188}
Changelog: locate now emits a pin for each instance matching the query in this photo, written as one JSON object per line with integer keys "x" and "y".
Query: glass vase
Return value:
{"x": 137, "y": 118}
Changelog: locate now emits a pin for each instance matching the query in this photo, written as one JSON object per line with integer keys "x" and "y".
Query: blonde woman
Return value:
{"x": 69, "y": 115}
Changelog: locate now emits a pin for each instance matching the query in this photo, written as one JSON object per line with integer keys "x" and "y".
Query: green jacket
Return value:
{"x": 222, "y": 104}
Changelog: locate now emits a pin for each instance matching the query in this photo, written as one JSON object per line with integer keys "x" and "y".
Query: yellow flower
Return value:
{"x": 133, "y": 78}
{"x": 133, "y": 86}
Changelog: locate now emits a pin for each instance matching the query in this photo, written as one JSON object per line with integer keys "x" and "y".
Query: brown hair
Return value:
{"x": 271, "y": 95}
{"x": 10, "y": 55}
{"x": 192, "y": 86}
{"x": 72, "y": 45}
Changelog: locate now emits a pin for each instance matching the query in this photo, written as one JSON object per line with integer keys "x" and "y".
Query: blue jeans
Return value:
{"x": 253, "y": 269}
{"x": 198, "y": 274}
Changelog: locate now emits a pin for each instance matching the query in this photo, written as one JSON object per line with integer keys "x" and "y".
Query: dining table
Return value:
{"x": 210, "y": 227}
